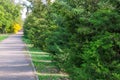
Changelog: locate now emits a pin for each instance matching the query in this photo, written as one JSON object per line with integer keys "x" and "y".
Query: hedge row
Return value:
{"x": 83, "y": 36}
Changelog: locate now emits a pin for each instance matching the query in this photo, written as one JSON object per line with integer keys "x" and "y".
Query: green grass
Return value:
{"x": 3, "y": 36}
{"x": 46, "y": 69}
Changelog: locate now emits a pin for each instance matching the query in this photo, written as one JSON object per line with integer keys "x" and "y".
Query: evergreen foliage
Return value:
{"x": 83, "y": 36}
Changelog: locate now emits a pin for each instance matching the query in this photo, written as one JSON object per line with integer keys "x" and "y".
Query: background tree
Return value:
{"x": 9, "y": 13}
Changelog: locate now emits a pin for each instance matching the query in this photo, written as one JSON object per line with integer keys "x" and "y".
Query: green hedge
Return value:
{"x": 82, "y": 36}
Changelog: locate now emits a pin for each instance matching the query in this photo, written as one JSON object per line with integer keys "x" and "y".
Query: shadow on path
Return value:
{"x": 14, "y": 64}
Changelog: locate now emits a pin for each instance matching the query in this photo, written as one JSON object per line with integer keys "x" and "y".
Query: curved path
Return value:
{"x": 14, "y": 62}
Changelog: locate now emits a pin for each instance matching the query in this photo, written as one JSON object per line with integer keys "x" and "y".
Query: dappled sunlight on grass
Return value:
{"x": 49, "y": 74}
{"x": 45, "y": 67}
{"x": 45, "y": 61}
{"x": 46, "y": 76}
{"x": 44, "y": 53}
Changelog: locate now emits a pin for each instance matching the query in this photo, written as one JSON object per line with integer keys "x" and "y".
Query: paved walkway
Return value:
{"x": 14, "y": 63}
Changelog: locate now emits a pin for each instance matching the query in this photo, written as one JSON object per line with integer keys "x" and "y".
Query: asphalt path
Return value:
{"x": 14, "y": 62}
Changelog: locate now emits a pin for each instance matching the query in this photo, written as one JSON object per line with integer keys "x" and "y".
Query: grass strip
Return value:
{"x": 46, "y": 69}
{"x": 3, "y": 36}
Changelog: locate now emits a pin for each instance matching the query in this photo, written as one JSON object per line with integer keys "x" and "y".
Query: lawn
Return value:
{"x": 45, "y": 67}
{"x": 3, "y": 36}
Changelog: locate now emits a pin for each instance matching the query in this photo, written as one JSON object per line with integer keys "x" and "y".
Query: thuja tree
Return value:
{"x": 82, "y": 35}
{"x": 77, "y": 27}
{"x": 36, "y": 24}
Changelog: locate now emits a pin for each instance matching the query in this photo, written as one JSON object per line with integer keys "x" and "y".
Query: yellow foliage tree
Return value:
{"x": 16, "y": 27}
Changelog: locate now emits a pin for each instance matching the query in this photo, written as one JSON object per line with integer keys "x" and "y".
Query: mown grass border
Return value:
{"x": 30, "y": 59}
{"x": 3, "y": 36}
{"x": 38, "y": 65}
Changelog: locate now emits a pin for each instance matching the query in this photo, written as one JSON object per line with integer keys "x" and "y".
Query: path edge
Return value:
{"x": 31, "y": 62}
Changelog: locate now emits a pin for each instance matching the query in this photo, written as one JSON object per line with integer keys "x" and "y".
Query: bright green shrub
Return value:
{"x": 101, "y": 57}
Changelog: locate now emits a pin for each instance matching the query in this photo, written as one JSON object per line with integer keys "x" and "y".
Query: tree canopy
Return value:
{"x": 9, "y": 13}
